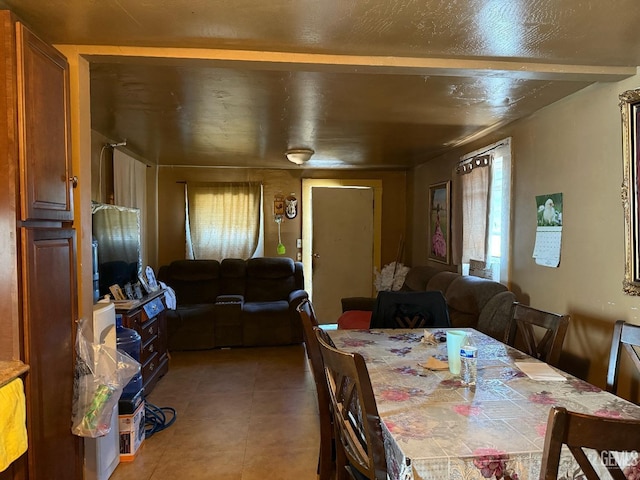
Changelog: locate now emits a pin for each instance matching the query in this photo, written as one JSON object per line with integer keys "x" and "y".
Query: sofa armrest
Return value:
{"x": 296, "y": 297}
{"x": 358, "y": 303}
{"x": 495, "y": 318}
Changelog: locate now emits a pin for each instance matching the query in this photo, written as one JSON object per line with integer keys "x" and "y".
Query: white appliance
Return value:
{"x": 102, "y": 454}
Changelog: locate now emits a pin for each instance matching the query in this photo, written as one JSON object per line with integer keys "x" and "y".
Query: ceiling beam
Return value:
{"x": 291, "y": 61}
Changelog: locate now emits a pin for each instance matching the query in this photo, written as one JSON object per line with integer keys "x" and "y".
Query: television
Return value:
{"x": 117, "y": 250}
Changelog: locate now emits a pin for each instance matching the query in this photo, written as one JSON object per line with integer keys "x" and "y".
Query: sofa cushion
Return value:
{"x": 417, "y": 278}
{"x": 467, "y": 297}
{"x": 265, "y": 308}
{"x": 470, "y": 294}
{"x": 194, "y": 281}
{"x": 232, "y": 275}
{"x": 191, "y": 327}
{"x": 270, "y": 279}
{"x": 441, "y": 281}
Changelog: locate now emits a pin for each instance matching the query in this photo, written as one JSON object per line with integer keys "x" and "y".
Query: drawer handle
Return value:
{"x": 152, "y": 366}
{"x": 150, "y": 330}
{"x": 150, "y": 348}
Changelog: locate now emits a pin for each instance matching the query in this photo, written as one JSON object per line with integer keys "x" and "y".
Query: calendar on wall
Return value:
{"x": 546, "y": 250}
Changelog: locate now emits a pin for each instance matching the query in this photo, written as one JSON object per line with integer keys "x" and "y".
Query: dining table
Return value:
{"x": 435, "y": 427}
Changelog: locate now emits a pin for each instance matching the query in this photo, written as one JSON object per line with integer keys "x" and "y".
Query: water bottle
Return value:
{"x": 468, "y": 361}
{"x": 129, "y": 341}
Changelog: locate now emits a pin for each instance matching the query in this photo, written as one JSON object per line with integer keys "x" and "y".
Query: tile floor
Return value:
{"x": 242, "y": 414}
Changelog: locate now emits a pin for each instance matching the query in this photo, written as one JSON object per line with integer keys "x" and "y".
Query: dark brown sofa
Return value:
{"x": 472, "y": 301}
{"x": 234, "y": 302}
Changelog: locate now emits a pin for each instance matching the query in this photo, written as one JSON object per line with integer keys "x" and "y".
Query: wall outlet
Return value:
{"x": 299, "y": 243}
{"x": 299, "y": 256}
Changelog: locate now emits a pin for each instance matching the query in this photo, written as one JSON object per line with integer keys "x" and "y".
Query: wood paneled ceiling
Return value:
{"x": 365, "y": 83}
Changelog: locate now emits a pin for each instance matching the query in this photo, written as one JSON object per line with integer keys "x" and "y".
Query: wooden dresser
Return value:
{"x": 147, "y": 317}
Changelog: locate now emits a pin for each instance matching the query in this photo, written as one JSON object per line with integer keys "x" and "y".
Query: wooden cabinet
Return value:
{"x": 38, "y": 299}
{"x": 48, "y": 350}
{"x": 43, "y": 129}
{"x": 147, "y": 318}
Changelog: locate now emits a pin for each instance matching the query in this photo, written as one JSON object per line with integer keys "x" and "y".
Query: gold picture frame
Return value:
{"x": 630, "y": 110}
{"x": 439, "y": 235}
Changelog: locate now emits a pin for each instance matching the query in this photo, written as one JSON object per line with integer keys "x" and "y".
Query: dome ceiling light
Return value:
{"x": 299, "y": 156}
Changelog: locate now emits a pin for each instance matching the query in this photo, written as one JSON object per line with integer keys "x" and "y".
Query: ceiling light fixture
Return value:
{"x": 299, "y": 155}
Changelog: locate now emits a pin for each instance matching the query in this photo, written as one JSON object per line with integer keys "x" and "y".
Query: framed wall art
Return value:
{"x": 630, "y": 110}
{"x": 439, "y": 235}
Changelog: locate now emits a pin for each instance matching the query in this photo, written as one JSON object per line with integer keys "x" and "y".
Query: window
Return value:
{"x": 486, "y": 207}
{"x": 223, "y": 220}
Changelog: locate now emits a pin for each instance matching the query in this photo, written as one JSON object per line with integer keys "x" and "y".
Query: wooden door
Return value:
{"x": 49, "y": 315}
{"x": 43, "y": 128}
{"x": 343, "y": 258}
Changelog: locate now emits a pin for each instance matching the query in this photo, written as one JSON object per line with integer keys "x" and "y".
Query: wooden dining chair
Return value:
{"x": 578, "y": 432}
{"x": 326, "y": 456}
{"x": 355, "y": 414}
{"x": 625, "y": 336}
{"x": 410, "y": 310}
{"x": 536, "y": 332}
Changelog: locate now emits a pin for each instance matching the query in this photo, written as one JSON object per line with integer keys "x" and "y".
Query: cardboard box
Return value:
{"x": 131, "y": 433}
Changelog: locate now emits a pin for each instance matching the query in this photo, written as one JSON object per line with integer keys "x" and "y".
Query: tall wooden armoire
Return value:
{"x": 38, "y": 299}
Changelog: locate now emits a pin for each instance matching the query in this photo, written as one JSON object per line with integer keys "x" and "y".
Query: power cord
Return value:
{"x": 156, "y": 418}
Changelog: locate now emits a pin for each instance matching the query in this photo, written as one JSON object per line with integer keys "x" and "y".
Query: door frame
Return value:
{"x": 307, "y": 220}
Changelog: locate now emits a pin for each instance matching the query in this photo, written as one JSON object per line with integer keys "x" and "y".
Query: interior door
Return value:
{"x": 342, "y": 247}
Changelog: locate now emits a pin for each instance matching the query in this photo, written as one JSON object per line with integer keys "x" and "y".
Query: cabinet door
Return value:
{"x": 43, "y": 126}
{"x": 49, "y": 313}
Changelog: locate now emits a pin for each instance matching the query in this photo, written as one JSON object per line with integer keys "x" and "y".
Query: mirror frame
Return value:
{"x": 630, "y": 110}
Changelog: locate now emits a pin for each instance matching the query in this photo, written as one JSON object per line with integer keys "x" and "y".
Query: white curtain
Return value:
{"x": 130, "y": 190}
{"x": 223, "y": 220}
{"x": 475, "y": 214}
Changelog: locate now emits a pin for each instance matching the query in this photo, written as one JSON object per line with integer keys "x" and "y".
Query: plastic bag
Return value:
{"x": 101, "y": 373}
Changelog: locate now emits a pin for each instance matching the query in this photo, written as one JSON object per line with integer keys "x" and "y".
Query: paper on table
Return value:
{"x": 539, "y": 371}
{"x": 433, "y": 363}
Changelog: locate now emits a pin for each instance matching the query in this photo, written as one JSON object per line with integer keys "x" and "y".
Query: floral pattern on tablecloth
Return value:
{"x": 436, "y": 428}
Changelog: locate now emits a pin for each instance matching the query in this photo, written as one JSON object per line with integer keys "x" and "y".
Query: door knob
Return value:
{"x": 74, "y": 181}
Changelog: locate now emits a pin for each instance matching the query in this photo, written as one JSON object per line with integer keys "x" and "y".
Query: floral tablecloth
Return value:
{"x": 435, "y": 428}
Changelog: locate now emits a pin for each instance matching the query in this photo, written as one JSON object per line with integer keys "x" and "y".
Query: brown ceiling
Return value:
{"x": 365, "y": 83}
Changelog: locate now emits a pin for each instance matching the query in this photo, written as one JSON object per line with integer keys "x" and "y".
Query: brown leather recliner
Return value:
{"x": 234, "y": 302}
{"x": 472, "y": 301}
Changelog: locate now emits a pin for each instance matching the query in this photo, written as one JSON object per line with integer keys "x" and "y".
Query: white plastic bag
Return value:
{"x": 101, "y": 373}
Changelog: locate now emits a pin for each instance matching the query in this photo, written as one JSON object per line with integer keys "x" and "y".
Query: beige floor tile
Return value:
{"x": 297, "y": 464}
{"x": 268, "y": 432}
{"x": 241, "y": 414}
{"x": 284, "y": 401}
{"x": 200, "y": 463}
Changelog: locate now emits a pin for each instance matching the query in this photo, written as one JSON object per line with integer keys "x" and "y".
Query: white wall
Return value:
{"x": 575, "y": 147}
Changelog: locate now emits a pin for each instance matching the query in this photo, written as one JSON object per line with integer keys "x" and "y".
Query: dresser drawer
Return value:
{"x": 133, "y": 321}
{"x": 148, "y": 349}
{"x": 148, "y": 330}
{"x": 150, "y": 366}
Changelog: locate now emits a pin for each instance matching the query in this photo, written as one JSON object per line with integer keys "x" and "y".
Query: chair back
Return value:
{"x": 578, "y": 432}
{"x": 625, "y": 337}
{"x": 326, "y": 456}
{"x": 410, "y": 310}
{"x": 528, "y": 322}
{"x": 356, "y": 420}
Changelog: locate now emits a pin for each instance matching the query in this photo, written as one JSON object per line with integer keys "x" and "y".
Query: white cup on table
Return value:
{"x": 455, "y": 339}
